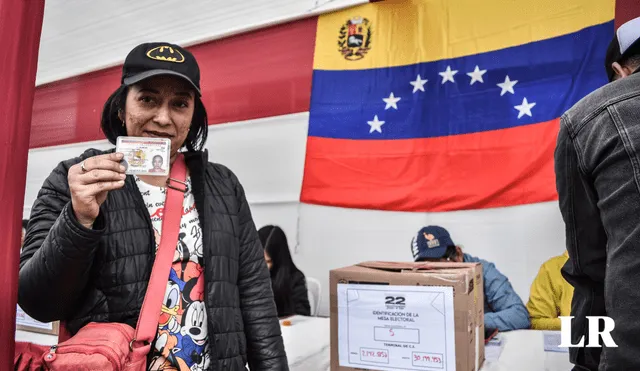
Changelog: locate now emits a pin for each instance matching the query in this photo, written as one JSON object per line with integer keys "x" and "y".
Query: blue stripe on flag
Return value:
{"x": 553, "y": 74}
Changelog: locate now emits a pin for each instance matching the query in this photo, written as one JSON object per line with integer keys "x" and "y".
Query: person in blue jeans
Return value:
{"x": 503, "y": 308}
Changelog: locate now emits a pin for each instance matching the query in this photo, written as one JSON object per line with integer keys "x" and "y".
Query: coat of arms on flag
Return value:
{"x": 354, "y": 40}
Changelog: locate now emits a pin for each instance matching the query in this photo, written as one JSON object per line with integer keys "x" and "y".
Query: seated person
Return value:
{"x": 287, "y": 281}
{"x": 550, "y": 295}
{"x": 503, "y": 308}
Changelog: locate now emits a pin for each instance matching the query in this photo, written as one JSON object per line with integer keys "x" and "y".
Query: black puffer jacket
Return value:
{"x": 71, "y": 273}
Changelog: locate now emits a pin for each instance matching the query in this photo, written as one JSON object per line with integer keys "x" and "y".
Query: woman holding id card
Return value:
{"x": 94, "y": 254}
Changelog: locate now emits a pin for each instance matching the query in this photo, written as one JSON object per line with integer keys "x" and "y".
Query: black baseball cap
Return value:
{"x": 160, "y": 58}
{"x": 625, "y": 42}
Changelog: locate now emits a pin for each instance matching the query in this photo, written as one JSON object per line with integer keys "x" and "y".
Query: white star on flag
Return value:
{"x": 524, "y": 108}
{"x": 447, "y": 75}
{"x": 376, "y": 125}
{"x": 391, "y": 101}
{"x": 476, "y": 75}
{"x": 418, "y": 84}
{"x": 507, "y": 86}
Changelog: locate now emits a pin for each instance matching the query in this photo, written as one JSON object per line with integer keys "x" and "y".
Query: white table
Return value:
{"x": 33, "y": 337}
{"x": 307, "y": 344}
{"x": 524, "y": 350}
{"x": 307, "y": 340}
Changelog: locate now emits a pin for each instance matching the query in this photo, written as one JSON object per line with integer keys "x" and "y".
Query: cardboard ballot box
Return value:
{"x": 407, "y": 316}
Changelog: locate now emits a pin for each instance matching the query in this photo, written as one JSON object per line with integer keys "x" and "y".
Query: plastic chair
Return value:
{"x": 315, "y": 290}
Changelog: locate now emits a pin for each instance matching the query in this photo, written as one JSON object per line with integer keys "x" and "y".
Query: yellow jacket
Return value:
{"x": 550, "y": 295}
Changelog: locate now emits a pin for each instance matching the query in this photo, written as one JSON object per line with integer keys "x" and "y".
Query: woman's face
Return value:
{"x": 160, "y": 107}
{"x": 267, "y": 258}
{"x": 157, "y": 162}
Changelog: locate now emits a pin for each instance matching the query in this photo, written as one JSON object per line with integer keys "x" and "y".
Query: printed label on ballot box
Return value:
{"x": 396, "y": 327}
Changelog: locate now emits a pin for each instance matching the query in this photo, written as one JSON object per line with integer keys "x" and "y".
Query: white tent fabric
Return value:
{"x": 81, "y": 36}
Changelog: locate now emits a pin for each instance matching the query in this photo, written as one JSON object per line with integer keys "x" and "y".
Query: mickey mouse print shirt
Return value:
{"x": 182, "y": 341}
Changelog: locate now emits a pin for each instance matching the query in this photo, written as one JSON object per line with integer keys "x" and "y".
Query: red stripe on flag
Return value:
{"x": 472, "y": 171}
{"x": 260, "y": 74}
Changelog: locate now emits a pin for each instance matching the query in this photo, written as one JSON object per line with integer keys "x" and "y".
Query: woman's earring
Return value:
{"x": 120, "y": 117}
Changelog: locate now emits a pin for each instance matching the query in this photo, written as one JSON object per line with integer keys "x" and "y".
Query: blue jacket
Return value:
{"x": 503, "y": 308}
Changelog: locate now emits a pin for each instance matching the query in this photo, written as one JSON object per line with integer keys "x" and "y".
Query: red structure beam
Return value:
{"x": 19, "y": 41}
{"x": 626, "y": 10}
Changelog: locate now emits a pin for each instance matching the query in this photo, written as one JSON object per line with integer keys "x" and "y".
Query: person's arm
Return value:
{"x": 586, "y": 244}
{"x": 265, "y": 347}
{"x": 551, "y": 324}
{"x": 300, "y": 295}
{"x": 509, "y": 313}
{"x": 58, "y": 252}
{"x": 542, "y": 305}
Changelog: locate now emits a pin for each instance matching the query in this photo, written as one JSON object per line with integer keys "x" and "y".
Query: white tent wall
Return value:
{"x": 267, "y": 155}
{"x": 80, "y": 36}
{"x": 517, "y": 239}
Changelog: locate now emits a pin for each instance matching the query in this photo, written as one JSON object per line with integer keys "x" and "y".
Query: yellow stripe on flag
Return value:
{"x": 404, "y": 32}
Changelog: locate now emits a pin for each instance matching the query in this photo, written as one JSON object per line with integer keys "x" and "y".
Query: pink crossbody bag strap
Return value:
{"x": 152, "y": 304}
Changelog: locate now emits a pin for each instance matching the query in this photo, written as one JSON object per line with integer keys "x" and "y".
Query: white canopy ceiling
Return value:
{"x": 80, "y": 36}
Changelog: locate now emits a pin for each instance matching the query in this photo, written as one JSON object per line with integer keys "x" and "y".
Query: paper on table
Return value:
{"x": 396, "y": 327}
{"x": 23, "y": 319}
{"x": 493, "y": 348}
{"x": 552, "y": 342}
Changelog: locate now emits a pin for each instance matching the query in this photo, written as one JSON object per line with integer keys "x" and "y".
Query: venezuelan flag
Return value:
{"x": 438, "y": 105}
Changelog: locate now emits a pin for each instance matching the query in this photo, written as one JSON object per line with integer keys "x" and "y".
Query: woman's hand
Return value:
{"x": 89, "y": 186}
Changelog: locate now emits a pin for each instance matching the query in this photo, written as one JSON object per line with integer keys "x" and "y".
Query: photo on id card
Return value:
{"x": 145, "y": 156}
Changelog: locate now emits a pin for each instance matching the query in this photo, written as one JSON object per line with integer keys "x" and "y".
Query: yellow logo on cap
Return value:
{"x": 165, "y": 54}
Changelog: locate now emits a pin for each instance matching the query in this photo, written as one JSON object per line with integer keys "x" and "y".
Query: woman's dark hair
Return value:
{"x": 275, "y": 244}
{"x": 113, "y": 127}
{"x": 451, "y": 252}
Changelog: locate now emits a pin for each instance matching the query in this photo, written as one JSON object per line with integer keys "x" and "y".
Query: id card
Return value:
{"x": 145, "y": 156}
